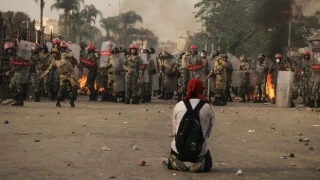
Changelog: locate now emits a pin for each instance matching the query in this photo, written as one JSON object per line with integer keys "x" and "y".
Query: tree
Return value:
{"x": 42, "y": 3}
{"x": 111, "y": 25}
{"x": 67, "y": 6}
{"x": 128, "y": 20}
{"x": 90, "y": 12}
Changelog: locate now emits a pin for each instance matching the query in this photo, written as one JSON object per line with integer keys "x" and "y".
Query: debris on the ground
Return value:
{"x": 300, "y": 140}
{"x": 142, "y": 163}
{"x": 112, "y": 177}
{"x": 309, "y": 109}
{"x": 40, "y": 133}
{"x": 106, "y": 148}
{"x": 105, "y": 118}
{"x": 306, "y": 144}
{"x": 171, "y": 135}
{"x": 318, "y": 169}
{"x": 72, "y": 132}
{"x": 159, "y": 111}
{"x": 174, "y": 174}
{"x": 272, "y": 127}
{"x": 222, "y": 111}
{"x": 251, "y": 131}
{"x": 283, "y": 157}
{"x": 291, "y": 155}
{"x": 310, "y": 148}
{"x": 305, "y": 140}
{"x": 88, "y": 134}
{"x": 147, "y": 109}
{"x": 119, "y": 113}
{"x": 266, "y": 112}
{"x": 293, "y": 165}
{"x": 316, "y": 125}
{"x": 58, "y": 112}
{"x": 41, "y": 115}
{"x": 125, "y": 122}
{"x": 239, "y": 172}
{"x": 164, "y": 163}
{"x": 300, "y": 134}
{"x": 6, "y": 122}
{"x": 135, "y": 147}
{"x": 36, "y": 140}
{"x": 84, "y": 125}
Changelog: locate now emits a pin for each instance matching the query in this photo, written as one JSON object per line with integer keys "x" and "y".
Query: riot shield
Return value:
{"x": 117, "y": 61}
{"x": 247, "y": 77}
{"x": 153, "y": 72}
{"x": 145, "y": 62}
{"x": 316, "y": 69}
{"x": 26, "y": 45}
{"x": 171, "y": 78}
{"x": 106, "y": 48}
{"x": 22, "y": 62}
{"x": 49, "y": 44}
{"x": 75, "y": 51}
{"x": 284, "y": 89}
{"x": 212, "y": 78}
{"x": 234, "y": 61}
{"x": 268, "y": 62}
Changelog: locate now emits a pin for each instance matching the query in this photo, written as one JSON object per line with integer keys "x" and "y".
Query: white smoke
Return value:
{"x": 309, "y": 7}
{"x": 164, "y": 17}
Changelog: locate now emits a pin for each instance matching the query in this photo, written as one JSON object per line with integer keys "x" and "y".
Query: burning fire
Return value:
{"x": 84, "y": 90}
{"x": 269, "y": 89}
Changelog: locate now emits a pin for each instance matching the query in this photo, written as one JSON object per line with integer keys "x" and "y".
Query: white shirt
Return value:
{"x": 206, "y": 119}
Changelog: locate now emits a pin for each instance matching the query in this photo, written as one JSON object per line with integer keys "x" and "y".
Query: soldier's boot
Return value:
{"x": 72, "y": 104}
{"x": 58, "y": 103}
{"x": 135, "y": 100}
{"x": 255, "y": 100}
{"x": 166, "y": 96}
{"x": 148, "y": 99}
{"x": 264, "y": 100}
{"x": 217, "y": 101}
{"x": 37, "y": 98}
{"x": 310, "y": 103}
{"x": 123, "y": 99}
{"x": 162, "y": 95}
{"x": 127, "y": 101}
{"x": 229, "y": 98}
{"x": 243, "y": 99}
{"x": 223, "y": 101}
{"x": 115, "y": 99}
{"x": 259, "y": 100}
{"x": 93, "y": 95}
{"x": 143, "y": 99}
{"x": 19, "y": 100}
{"x": 292, "y": 104}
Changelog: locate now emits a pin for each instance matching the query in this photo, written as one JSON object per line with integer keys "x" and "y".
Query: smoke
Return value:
{"x": 309, "y": 7}
{"x": 164, "y": 17}
{"x": 270, "y": 15}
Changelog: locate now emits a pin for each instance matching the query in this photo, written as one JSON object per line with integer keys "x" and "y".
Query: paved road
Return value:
{"x": 71, "y": 141}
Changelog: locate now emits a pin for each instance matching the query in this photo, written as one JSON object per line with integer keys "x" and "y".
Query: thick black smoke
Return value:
{"x": 273, "y": 15}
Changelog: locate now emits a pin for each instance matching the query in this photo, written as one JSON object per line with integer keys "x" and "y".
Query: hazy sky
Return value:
{"x": 163, "y": 17}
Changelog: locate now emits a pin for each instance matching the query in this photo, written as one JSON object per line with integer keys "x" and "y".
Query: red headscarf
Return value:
{"x": 195, "y": 87}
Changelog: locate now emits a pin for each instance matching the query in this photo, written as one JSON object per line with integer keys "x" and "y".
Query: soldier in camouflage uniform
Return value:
{"x": 42, "y": 67}
{"x": 110, "y": 83}
{"x": 33, "y": 76}
{"x": 244, "y": 86}
{"x": 277, "y": 66}
{"x": 91, "y": 63}
{"x": 229, "y": 80}
{"x": 145, "y": 90}
{"x": 20, "y": 70}
{"x": 305, "y": 78}
{"x": 220, "y": 69}
{"x": 260, "y": 89}
{"x": 167, "y": 68}
{"x": 177, "y": 69}
{"x": 65, "y": 69}
{"x": 54, "y": 75}
{"x": 133, "y": 75}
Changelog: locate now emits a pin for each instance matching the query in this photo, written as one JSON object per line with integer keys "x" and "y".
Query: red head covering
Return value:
{"x": 195, "y": 87}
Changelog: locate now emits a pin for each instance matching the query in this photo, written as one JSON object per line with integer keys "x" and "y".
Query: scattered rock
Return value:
{"x": 6, "y": 122}
{"x": 266, "y": 112}
{"x": 283, "y": 157}
{"x": 310, "y": 148}
{"x": 293, "y": 165}
{"x": 237, "y": 113}
{"x": 41, "y": 115}
{"x": 239, "y": 172}
{"x": 147, "y": 109}
{"x": 40, "y": 133}
{"x": 135, "y": 147}
{"x": 112, "y": 177}
{"x": 318, "y": 169}
{"x": 272, "y": 127}
{"x": 88, "y": 134}
{"x": 119, "y": 113}
{"x": 36, "y": 140}
{"x": 72, "y": 132}
{"x": 142, "y": 163}
{"x": 222, "y": 111}
{"x": 300, "y": 134}
{"x": 84, "y": 125}
{"x": 305, "y": 140}
{"x": 105, "y": 118}
{"x": 309, "y": 109}
{"x": 58, "y": 112}
{"x": 251, "y": 131}
{"x": 306, "y": 144}
{"x": 174, "y": 174}
{"x": 291, "y": 155}
{"x": 125, "y": 122}
{"x": 106, "y": 148}
{"x": 159, "y": 111}
{"x": 300, "y": 140}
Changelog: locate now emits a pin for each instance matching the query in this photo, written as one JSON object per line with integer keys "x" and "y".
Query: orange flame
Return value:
{"x": 84, "y": 90}
{"x": 269, "y": 89}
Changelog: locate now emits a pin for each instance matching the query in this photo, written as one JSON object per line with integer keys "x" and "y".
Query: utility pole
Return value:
{"x": 290, "y": 27}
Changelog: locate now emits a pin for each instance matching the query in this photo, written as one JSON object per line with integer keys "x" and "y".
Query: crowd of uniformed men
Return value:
{"x": 134, "y": 76}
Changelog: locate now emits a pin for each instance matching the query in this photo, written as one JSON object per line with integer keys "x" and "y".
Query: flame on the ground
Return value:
{"x": 84, "y": 90}
{"x": 269, "y": 89}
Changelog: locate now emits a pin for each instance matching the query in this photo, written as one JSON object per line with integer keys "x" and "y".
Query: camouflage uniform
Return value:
{"x": 91, "y": 63}
{"x": 43, "y": 66}
{"x": 67, "y": 79}
{"x": 244, "y": 86}
{"x": 184, "y": 76}
{"x": 260, "y": 89}
{"x": 145, "y": 90}
{"x": 220, "y": 70}
{"x": 229, "y": 71}
{"x": 133, "y": 79}
{"x": 305, "y": 79}
{"x": 5, "y": 81}
{"x": 19, "y": 80}
{"x": 33, "y": 76}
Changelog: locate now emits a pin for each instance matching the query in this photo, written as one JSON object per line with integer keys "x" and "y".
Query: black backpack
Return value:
{"x": 189, "y": 138}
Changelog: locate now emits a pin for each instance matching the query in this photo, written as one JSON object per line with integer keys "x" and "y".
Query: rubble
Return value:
{"x": 291, "y": 156}
{"x": 171, "y": 135}
{"x": 6, "y": 122}
{"x": 142, "y": 163}
{"x": 41, "y": 115}
{"x": 112, "y": 177}
{"x": 106, "y": 148}
{"x": 36, "y": 140}
{"x": 300, "y": 134}
{"x": 135, "y": 147}
{"x": 239, "y": 172}
{"x": 310, "y": 148}
{"x": 305, "y": 140}
{"x": 164, "y": 163}
{"x": 318, "y": 169}
{"x": 251, "y": 131}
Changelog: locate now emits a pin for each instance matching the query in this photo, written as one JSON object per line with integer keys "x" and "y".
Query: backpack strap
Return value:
{"x": 197, "y": 108}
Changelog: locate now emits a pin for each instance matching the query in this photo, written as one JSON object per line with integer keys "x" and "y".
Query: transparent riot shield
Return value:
{"x": 234, "y": 61}
{"x": 145, "y": 62}
{"x": 240, "y": 77}
{"x": 153, "y": 72}
{"x": 21, "y": 61}
{"x": 117, "y": 61}
{"x": 170, "y": 77}
{"x": 75, "y": 51}
{"x": 105, "y": 54}
{"x": 26, "y": 45}
{"x": 284, "y": 89}
{"x": 49, "y": 44}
